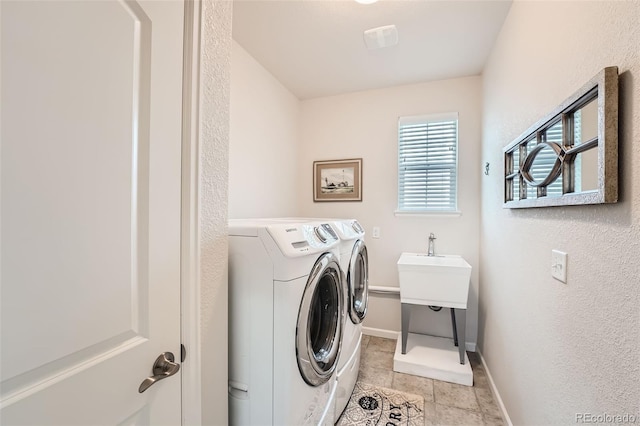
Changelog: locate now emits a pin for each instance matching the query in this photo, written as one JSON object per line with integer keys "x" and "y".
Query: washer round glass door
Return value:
{"x": 319, "y": 328}
{"x": 358, "y": 282}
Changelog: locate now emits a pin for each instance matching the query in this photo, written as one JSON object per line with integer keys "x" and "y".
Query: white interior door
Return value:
{"x": 90, "y": 202}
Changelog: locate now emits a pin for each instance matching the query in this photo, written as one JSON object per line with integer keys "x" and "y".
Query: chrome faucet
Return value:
{"x": 432, "y": 238}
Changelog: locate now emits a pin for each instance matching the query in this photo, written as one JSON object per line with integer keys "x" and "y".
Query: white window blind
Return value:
{"x": 428, "y": 163}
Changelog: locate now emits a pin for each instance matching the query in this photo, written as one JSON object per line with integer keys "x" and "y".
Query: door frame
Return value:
{"x": 189, "y": 236}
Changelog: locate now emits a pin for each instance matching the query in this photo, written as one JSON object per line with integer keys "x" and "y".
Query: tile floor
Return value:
{"x": 445, "y": 403}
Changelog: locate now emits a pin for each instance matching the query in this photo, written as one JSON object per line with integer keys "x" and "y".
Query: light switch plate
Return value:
{"x": 376, "y": 232}
{"x": 559, "y": 265}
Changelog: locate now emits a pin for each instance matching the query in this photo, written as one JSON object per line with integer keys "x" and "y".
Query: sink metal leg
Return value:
{"x": 406, "y": 314}
{"x": 453, "y": 325}
{"x": 462, "y": 319}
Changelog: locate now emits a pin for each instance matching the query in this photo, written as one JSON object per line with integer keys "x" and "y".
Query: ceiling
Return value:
{"x": 315, "y": 48}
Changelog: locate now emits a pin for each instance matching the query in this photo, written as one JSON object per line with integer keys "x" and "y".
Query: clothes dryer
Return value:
{"x": 354, "y": 261}
{"x": 286, "y": 319}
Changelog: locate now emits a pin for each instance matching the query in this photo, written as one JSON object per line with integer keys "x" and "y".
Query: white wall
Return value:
{"x": 264, "y": 141}
{"x": 364, "y": 125}
{"x": 556, "y": 349}
{"x": 212, "y": 205}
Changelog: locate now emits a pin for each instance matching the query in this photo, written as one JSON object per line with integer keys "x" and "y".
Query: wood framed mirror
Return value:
{"x": 570, "y": 157}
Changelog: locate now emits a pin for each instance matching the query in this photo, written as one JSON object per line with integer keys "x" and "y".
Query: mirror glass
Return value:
{"x": 553, "y": 134}
{"x": 542, "y": 167}
{"x": 532, "y": 192}
{"x": 516, "y": 180}
{"x": 586, "y": 166}
{"x": 585, "y": 122}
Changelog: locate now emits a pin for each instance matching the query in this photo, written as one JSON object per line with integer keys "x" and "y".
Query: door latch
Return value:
{"x": 162, "y": 368}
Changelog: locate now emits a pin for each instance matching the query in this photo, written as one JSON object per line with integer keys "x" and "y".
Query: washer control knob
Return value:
{"x": 321, "y": 234}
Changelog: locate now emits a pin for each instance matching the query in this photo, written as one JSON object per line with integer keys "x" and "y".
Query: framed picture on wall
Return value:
{"x": 337, "y": 180}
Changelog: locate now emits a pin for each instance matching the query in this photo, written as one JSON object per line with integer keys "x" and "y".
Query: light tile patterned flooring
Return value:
{"x": 445, "y": 403}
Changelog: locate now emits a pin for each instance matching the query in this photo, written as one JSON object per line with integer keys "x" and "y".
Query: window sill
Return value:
{"x": 456, "y": 213}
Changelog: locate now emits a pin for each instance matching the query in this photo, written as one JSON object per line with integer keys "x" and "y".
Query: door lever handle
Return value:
{"x": 162, "y": 368}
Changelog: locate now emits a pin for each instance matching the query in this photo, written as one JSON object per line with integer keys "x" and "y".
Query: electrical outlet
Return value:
{"x": 559, "y": 265}
{"x": 375, "y": 232}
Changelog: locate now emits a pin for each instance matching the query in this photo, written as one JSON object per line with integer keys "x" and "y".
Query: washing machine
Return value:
{"x": 286, "y": 319}
{"x": 355, "y": 264}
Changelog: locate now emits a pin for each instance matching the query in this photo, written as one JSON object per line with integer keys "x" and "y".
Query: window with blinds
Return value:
{"x": 428, "y": 163}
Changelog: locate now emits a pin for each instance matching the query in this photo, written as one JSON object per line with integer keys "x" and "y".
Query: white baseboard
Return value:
{"x": 390, "y": 334}
{"x": 494, "y": 389}
{"x": 380, "y": 332}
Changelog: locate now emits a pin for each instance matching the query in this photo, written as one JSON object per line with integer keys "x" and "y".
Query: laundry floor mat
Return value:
{"x": 373, "y": 405}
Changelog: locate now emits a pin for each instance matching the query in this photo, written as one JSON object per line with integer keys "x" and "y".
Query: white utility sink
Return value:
{"x": 434, "y": 280}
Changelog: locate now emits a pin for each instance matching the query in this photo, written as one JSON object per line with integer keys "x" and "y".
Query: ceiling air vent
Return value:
{"x": 376, "y": 38}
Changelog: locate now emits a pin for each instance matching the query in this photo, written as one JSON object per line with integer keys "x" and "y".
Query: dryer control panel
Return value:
{"x": 349, "y": 229}
{"x": 301, "y": 239}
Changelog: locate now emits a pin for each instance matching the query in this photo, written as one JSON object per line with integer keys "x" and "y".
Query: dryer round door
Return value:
{"x": 319, "y": 328}
{"x": 358, "y": 282}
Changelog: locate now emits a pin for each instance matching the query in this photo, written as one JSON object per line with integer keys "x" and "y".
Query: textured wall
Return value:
{"x": 365, "y": 125}
{"x": 213, "y": 187}
{"x": 556, "y": 349}
{"x": 264, "y": 141}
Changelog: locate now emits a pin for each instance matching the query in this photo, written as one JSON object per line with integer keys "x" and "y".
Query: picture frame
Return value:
{"x": 337, "y": 180}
